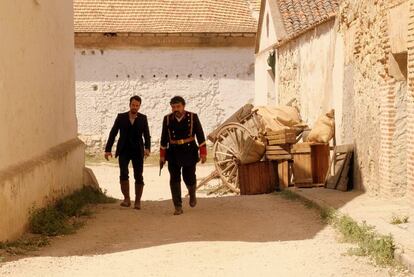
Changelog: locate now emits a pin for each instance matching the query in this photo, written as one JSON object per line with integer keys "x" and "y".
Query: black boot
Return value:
{"x": 125, "y": 192}
{"x": 193, "y": 198}
{"x": 139, "y": 188}
{"x": 178, "y": 210}
{"x": 176, "y": 197}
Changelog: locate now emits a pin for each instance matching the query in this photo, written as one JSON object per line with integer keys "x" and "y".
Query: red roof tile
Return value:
{"x": 165, "y": 16}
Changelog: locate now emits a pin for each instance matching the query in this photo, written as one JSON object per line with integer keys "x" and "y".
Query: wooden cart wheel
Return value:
{"x": 227, "y": 150}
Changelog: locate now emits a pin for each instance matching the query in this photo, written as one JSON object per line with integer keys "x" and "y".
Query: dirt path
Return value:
{"x": 263, "y": 235}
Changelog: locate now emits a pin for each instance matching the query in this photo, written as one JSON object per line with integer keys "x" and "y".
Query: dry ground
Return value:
{"x": 262, "y": 235}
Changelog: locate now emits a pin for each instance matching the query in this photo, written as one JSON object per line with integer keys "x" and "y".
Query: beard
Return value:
{"x": 178, "y": 114}
{"x": 133, "y": 111}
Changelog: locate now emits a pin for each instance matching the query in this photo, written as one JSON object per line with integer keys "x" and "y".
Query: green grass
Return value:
{"x": 380, "y": 247}
{"x": 399, "y": 219}
{"x": 64, "y": 217}
{"x": 369, "y": 243}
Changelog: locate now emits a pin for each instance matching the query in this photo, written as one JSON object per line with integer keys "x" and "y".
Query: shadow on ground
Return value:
{"x": 261, "y": 218}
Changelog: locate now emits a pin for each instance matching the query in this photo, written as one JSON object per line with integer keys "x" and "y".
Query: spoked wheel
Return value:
{"x": 227, "y": 150}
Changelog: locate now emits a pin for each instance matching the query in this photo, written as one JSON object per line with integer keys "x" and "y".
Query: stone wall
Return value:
{"x": 214, "y": 81}
{"x": 410, "y": 107}
{"x": 379, "y": 99}
{"x": 365, "y": 82}
{"x": 41, "y": 158}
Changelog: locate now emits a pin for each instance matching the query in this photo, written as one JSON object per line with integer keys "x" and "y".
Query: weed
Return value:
{"x": 62, "y": 218}
{"x": 399, "y": 220}
{"x": 287, "y": 194}
{"x": 24, "y": 244}
{"x": 370, "y": 243}
{"x": 309, "y": 204}
{"x": 50, "y": 221}
{"x": 328, "y": 215}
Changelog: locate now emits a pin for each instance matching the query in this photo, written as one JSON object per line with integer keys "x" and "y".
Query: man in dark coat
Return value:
{"x": 178, "y": 145}
{"x": 133, "y": 126}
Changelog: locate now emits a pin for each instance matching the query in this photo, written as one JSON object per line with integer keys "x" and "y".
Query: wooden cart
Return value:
{"x": 230, "y": 145}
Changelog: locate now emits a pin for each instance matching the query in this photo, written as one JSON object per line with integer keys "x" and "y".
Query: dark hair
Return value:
{"x": 177, "y": 99}
{"x": 136, "y": 98}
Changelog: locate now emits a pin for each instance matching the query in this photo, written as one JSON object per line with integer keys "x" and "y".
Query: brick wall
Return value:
{"x": 410, "y": 148}
{"x": 378, "y": 112}
{"x": 380, "y": 105}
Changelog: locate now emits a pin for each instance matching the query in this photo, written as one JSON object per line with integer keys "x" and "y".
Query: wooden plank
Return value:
{"x": 282, "y": 141}
{"x": 286, "y": 147}
{"x": 300, "y": 147}
{"x": 320, "y": 162}
{"x": 281, "y": 132}
{"x": 290, "y": 136}
{"x": 342, "y": 185}
{"x": 333, "y": 180}
{"x": 277, "y": 152}
{"x": 302, "y": 165}
{"x": 258, "y": 178}
{"x": 344, "y": 148}
{"x": 341, "y": 164}
{"x": 281, "y": 137}
{"x": 283, "y": 174}
{"x": 304, "y": 185}
{"x": 278, "y": 157}
{"x": 207, "y": 179}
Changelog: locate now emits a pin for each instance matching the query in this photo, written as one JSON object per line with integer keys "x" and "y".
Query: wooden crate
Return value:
{"x": 302, "y": 165}
{"x": 282, "y": 149}
{"x": 258, "y": 178}
{"x": 278, "y": 152}
{"x": 320, "y": 154}
{"x": 283, "y": 174}
{"x": 286, "y": 136}
{"x": 310, "y": 163}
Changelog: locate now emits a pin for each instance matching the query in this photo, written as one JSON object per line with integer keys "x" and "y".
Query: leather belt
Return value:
{"x": 182, "y": 141}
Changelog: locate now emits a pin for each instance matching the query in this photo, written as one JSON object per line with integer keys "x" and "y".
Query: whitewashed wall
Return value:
{"x": 214, "y": 81}
{"x": 41, "y": 158}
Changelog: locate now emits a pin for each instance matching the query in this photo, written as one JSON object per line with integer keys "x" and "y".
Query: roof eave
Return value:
{"x": 294, "y": 36}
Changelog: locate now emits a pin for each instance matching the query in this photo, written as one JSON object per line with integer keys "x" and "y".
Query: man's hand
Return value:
{"x": 203, "y": 159}
{"x": 107, "y": 155}
{"x": 146, "y": 153}
{"x": 162, "y": 160}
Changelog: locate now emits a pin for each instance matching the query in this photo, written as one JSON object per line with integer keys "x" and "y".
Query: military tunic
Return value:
{"x": 178, "y": 144}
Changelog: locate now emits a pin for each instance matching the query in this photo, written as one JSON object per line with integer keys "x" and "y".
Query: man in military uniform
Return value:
{"x": 133, "y": 126}
{"x": 178, "y": 145}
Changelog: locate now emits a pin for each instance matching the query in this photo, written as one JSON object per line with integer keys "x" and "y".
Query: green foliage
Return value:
{"x": 369, "y": 243}
{"x": 63, "y": 217}
{"x": 50, "y": 221}
{"x": 399, "y": 219}
{"x": 328, "y": 215}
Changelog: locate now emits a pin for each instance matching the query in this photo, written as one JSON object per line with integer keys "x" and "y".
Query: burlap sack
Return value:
{"x": 278, "y": 118}
{"x": 253, "y": 151}
{"x": 323, "y": 131}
